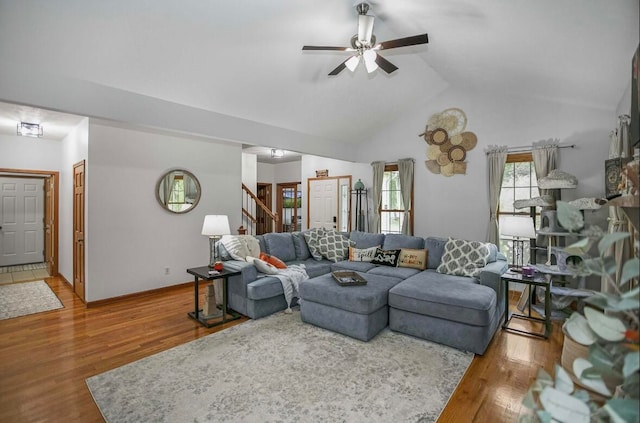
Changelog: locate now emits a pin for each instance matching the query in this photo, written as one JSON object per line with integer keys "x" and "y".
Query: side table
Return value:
{"x": 203, "y": 273}
{"x": 538, "y": 280}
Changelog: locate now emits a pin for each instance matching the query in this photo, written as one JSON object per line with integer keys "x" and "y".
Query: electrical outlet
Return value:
{"x": 167, "y": 270}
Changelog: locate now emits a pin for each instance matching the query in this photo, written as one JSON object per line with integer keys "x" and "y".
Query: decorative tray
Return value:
{"x": 348, "y": 278}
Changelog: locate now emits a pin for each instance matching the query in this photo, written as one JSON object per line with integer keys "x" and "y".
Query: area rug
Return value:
{"x": 281, "y": 369}
{"x": 21, "y": 299}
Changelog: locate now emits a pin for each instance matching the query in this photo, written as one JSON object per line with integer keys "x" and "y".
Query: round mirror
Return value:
{"x": 178, "y": 191}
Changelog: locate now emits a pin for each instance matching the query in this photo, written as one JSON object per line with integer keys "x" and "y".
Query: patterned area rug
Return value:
{"x": 20, "y": 299}
{"x": 281, "y": 369}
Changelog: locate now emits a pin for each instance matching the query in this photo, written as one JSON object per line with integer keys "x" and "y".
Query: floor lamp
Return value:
{"x": 520, "y": 228}
{"x": 215, "y": 226}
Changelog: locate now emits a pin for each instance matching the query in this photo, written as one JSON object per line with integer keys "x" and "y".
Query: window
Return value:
{"x": 176, "y": 198}
{"x": 392, "y": 206}
{"x": 519, "y": 183}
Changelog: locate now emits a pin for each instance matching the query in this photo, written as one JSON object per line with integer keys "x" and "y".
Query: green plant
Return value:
{"x": 609, "y": 327}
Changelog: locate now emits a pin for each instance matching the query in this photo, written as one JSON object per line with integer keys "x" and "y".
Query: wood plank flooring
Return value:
{"x": 45, "y": 358}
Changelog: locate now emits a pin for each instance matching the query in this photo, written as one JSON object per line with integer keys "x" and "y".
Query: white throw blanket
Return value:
{"x": 290, "y": 279}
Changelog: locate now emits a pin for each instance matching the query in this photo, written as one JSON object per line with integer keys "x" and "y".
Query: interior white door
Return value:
{"x": 323, "y": 203}
{"x": 21, "y": 221}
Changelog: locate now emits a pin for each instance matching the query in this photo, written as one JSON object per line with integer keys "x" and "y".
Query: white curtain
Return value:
{"x": 619, "y": 147}
{"x": 545, "y": 159}
{"x": 496, "y": 159}
{"x": 168, "y": 187}
{"x": 378, "y": 175}
{"x": 405, "y": 170}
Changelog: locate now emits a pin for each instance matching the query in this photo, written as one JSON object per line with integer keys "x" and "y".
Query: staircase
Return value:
{"x": 257, "y": 219}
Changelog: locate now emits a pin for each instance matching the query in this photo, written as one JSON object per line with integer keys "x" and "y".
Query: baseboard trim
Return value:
{"x": 135, "y": 295}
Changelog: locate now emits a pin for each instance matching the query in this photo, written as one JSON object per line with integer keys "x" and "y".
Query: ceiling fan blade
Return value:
{"x": 386, "y": 65}
{"x": 403, "y": 42}
{"x": 327, "y": 48}
{"x": 339, "y": 69}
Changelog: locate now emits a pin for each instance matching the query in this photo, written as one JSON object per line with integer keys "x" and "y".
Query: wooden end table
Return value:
{"x": 203, "y": 273}
{"x": 538, "y": 280}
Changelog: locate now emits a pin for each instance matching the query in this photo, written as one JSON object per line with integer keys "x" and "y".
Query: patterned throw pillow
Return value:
{"x": 386, "y": 257}
{"x": 416, "y": 259}
{"x": 362, "y": 254}
{"x": 334, "y": 246}
{"x": 313, "y": 237}
{"x": 463, "y": 258}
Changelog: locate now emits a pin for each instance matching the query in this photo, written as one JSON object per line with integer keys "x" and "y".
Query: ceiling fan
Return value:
{"x": 364, "y": 46}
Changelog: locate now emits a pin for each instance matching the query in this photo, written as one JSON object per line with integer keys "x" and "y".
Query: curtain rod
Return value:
{"x": 528, "y": 148}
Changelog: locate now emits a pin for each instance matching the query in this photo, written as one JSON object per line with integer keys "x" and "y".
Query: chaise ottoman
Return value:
{"x": 360, "y": 312}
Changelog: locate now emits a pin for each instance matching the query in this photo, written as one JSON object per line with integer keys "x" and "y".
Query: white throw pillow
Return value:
{"x": 241, "y": 246}
{"x": 362, "y": 254}
{"x": 262, "y": 266}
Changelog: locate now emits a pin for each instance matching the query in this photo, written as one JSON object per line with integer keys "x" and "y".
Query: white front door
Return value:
{"x": 323, "y": 203}
{"x": 21, "y": 221}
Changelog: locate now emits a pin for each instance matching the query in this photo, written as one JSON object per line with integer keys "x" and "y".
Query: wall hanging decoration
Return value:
{"x": 448, "y": 142}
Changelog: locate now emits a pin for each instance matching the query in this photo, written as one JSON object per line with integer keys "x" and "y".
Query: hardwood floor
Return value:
{"x": 46, "y": 357}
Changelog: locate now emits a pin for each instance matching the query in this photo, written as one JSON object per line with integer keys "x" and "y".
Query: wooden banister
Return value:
{"x": 260, "y": 204}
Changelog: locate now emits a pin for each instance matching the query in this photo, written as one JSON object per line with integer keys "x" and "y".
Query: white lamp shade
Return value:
{"x": 369, "y": 57}
{"x": 517, "y": 227}
{"x": 352, "y": 63}
{"x": 216, "y": 225}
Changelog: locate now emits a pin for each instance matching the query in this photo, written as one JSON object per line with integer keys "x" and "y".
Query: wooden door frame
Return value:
{"x": 49, "y": 256}
{"x": 349, "y": 177}
{"x": 267, "y": 201}
{"x": 82, "y": 163}
{"x": 279, "y": 187}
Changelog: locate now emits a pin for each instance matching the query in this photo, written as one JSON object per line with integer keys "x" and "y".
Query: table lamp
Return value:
{"x": 214, "y": 227}
{"x": 520, "y": 228}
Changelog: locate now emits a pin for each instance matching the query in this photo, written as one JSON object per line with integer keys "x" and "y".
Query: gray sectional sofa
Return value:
{"x": 459, "y": 311}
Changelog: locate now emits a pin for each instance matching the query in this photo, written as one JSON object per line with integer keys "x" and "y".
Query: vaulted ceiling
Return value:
{"x": 243, "y": 58}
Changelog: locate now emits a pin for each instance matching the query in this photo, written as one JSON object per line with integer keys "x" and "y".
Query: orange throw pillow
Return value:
{"x": 273, "y": 260}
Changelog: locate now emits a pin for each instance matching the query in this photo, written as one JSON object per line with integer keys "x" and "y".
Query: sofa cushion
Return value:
{"x": 386, "y": 257}
{"x": 395, "y": 241}
{"x": 358, "y": 266}
{"x": 334, "y": 246}
{"x": 264, "y": 287}
{"x": 300, "y": 245}
{"x": 312, "y": 237}
{"x": 456, "y": 298}
{"x": 366, "y": 239}
{"x": 280, "y": 245}
{"x": 463, "y": 258}
{"x": 414, "y": 258}
{"x": 394, "y": 272}
{"x": 362, "y": 254}
{"x": 435, "y": 246}
{"x": 314, "y": 267}
{"x": 362, "y": 299}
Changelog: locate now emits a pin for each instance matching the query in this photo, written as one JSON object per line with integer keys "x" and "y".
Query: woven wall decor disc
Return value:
{"x": 457, "y": 153}
{"x": 460, "y": 168}
{"x": 443, "y": 159}
{"x": 433, "y": 152}
{"x": 433, "y": 166}
{"x": 447, "y": 170}
{"x": 446, "y": 146}
{"x": 427, "y": 137}
{"x": 456, "y": 139}
{"x": 469, "y": 140}
{"x": 454, "y": 119}
{"x": 439, "y": 136}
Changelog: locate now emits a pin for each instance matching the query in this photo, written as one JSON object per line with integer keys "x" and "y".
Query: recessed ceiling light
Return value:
{"x": 276, "y": 153}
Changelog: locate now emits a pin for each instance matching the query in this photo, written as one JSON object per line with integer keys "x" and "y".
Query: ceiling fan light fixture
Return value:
{"x": 369, "y": 57}
{"x": 352, "y": 63}
{"x": 365, "y": 28}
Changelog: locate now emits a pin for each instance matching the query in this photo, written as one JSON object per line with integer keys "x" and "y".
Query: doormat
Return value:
{"x": 21, "y": 299}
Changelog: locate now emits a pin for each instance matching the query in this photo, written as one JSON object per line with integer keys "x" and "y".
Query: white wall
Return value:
{"x": 131, "y": 238}
{"x": 265, "y": 172}
{"x": 74, "y": 149}
{"x": 457, "y": 206}
{"x": 250, "y": 171}
{"x": 29, "y": 153}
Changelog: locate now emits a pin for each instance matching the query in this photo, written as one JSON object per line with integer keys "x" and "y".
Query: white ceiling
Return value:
{"x": 55, "y": 125}
{"x": 243, "y": 58}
